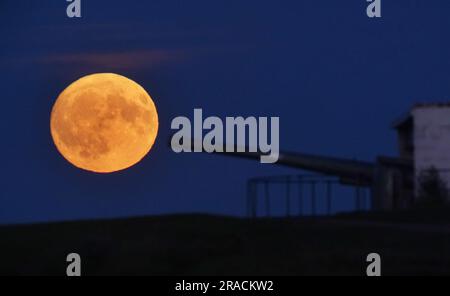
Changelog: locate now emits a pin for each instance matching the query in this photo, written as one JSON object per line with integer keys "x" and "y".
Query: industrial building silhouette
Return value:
{"x": 423, "y": 136}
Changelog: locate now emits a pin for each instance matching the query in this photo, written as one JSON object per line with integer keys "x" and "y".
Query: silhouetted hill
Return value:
{"x": 212, "y": 245}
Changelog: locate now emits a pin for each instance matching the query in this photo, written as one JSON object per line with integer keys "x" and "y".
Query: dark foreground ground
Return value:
{"x": 211, "y": 245}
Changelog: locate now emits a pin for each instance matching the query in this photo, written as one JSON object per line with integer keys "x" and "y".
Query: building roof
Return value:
{"x": 432, "y": 105}
{"x": 405, "y": 120}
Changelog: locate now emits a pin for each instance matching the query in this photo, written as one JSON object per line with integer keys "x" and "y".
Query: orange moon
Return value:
{"x": 104, "y": 123}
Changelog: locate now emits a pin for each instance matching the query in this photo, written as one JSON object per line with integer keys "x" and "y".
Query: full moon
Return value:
{"x": 104, "y": 123}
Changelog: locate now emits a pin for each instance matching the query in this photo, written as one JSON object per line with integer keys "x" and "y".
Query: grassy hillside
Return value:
{"x": 210, "y": 245}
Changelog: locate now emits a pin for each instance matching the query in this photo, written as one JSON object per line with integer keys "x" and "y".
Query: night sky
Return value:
{"x": 336, "y": 79}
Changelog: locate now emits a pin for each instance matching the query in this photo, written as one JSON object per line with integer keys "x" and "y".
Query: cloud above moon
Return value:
{"x": 135, "y": 59}
{"x": 105, "y": 61}
{"x": 117, "y": 47}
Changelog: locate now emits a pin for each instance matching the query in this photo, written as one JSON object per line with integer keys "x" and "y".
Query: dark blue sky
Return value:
{"x": 334, "y": 77}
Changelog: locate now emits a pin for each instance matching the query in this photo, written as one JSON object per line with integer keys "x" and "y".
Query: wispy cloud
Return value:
{"x": 105, "y": 46}
{"x": 136, "y": 59}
